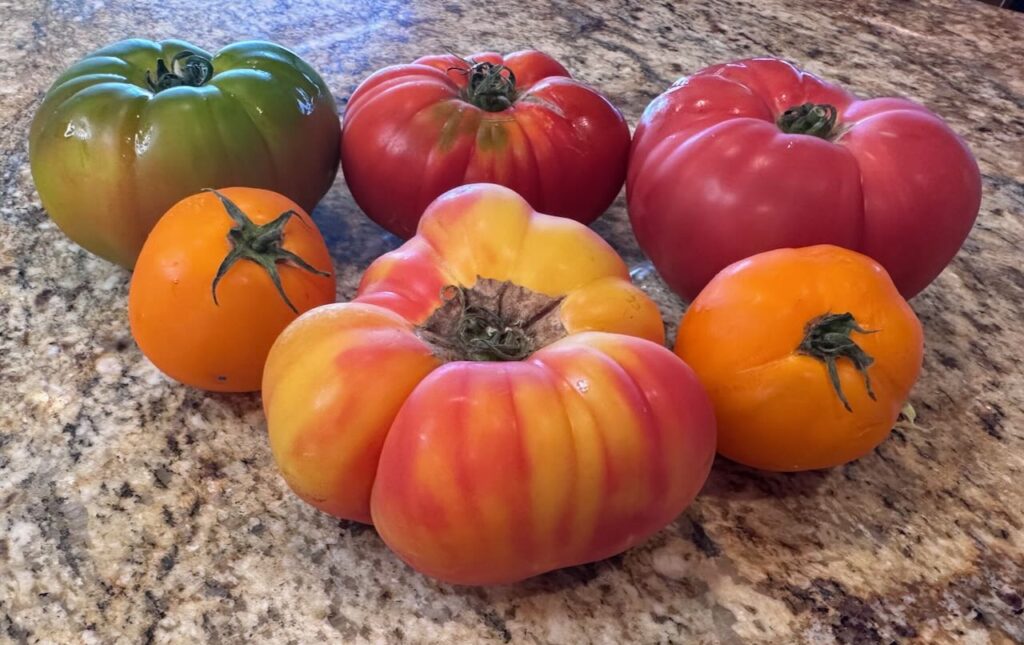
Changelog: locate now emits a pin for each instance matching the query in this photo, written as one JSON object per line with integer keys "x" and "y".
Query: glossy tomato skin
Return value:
{"x": 409, "y": 135}
{"x": 776, "y": 407}
{"x": 713, "y": 179}
{"x": 220, "y": 346}
{"x": 109, "y": 155}
{"x": 490, "y": 472}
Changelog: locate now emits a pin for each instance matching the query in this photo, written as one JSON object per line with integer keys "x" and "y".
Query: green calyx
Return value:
{"x": 490, "y": 87}
{"x": 827, "y": 339}
{"x": 187, "y": 68}
{"x": 814, "y": 119}
{"x": 261, "y": 244}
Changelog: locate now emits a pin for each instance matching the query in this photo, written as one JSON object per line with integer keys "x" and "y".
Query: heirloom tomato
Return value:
{"x": 131, "y": 129}
{"x": 807, "y": 354}
{"x": 757, "y": 155}
{"x": 496, "y": 400}
{"x": 411, "y": 132}
{"x": 221, "y": 274}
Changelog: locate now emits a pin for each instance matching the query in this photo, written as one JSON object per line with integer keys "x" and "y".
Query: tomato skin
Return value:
{"x": 776, "y": 408}
{"x": 713, "y": 179}
{"x": 491, "y": 472}
{"x": 220, "y": 347}
{"x": 317, "y": 374}
{"x": 408, "y": 136}
{"x": 265, "y": 119}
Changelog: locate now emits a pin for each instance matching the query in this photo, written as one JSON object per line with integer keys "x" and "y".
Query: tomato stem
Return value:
{"x": 814, "y": 119}
{"x": 492, "y": 321}
{"x": 261, "y": 244}
{"x": 187, "y": 68}
{"x": 827, "y": 339}
{"x": 490, "y": 87}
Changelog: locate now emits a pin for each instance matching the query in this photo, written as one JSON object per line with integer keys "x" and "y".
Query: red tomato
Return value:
{"x": 412, "y": 132}
{"x": 757, "y": 155}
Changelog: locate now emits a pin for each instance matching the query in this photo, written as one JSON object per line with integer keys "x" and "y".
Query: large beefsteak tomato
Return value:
{"x": 131, "y": 129}
{"x": 411, "y": 132}
{"x": 756, "y": 155}
{"x": 496, "y": 400}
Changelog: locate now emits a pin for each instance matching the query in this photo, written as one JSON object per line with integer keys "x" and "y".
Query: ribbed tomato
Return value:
{"x": 130, "y": 130}
{"x": 758, "y": 155}
{"x": 411, "y": 132}
{"x": 496, "y": 400}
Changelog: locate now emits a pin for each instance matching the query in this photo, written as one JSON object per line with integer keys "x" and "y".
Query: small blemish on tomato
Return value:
{"x": 222, "y": 378}
{"x": 582, "y": 386}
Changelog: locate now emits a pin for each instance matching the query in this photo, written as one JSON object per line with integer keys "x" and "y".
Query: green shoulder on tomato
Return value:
{"x": 131, "y": 129}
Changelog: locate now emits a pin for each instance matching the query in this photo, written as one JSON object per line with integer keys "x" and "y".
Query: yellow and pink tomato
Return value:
{"x": 497, "y": 399}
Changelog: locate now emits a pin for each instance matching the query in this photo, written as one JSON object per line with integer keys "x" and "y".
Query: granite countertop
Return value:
{"x": 133, "y": 509}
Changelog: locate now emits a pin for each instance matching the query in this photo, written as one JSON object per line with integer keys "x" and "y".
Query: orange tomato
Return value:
{"x": 219, "y": 277}
{"x": 496, "y": 400}
{"x": 808, "y": 356}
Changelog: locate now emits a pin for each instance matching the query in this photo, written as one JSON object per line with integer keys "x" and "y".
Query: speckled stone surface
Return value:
{"x": 136, "y": 510}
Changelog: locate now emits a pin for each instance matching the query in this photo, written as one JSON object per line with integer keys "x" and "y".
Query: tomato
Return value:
{"x": 496, "y": 400}
{"x": 139, "y": 125}
{"x": 411, "y": 132}
{"x": 808, "y": 356}
{"x": 219, "y": 278}
{"x": 757, "y": 155}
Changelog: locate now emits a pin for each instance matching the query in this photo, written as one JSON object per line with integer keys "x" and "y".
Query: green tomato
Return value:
{"x": 133, "y": 128}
